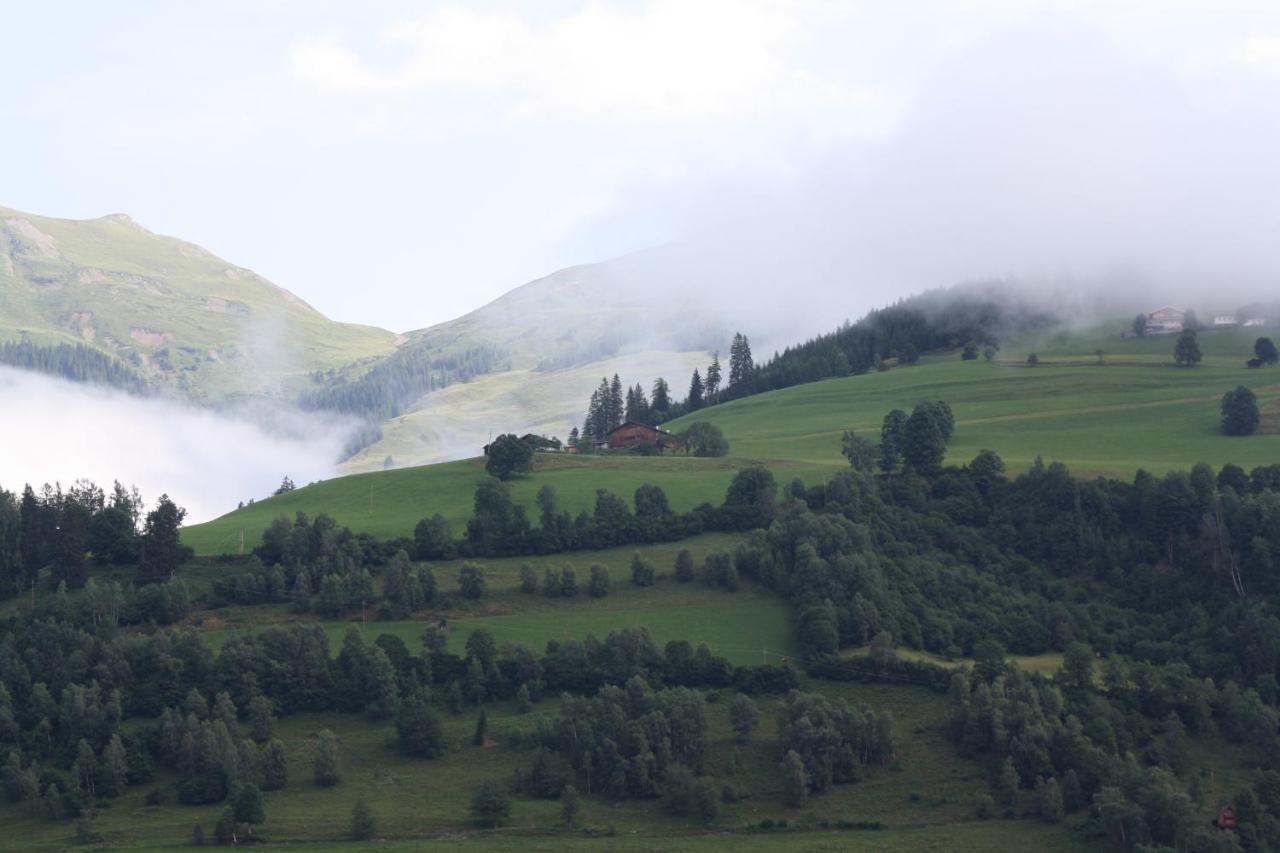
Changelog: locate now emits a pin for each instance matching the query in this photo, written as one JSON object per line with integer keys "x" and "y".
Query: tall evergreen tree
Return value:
{"x": 12, "y": 577}
{"x": 713, "y": 376}
{"x": 740, "y": 363}
{"x": 637, "y": 405}
{"x": 617, "y": 407}
{"x": 71, "y": 542}
{"x": 695, "y": 398}
{"x": 661, "y": 397}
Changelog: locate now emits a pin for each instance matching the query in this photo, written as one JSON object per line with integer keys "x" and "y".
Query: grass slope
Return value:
{"x": 400, "y": 498}
{"x": 187, "y": 319}
{"x": 423, "y": 804}
{"x": 1134, "y": 409}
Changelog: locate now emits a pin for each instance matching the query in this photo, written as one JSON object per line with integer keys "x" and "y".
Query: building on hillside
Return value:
{"x": 1255, "y": 321}
{"x": 1166, "y": 321}
{"x": 1224, "y": 320}
{"x": 540, "y": 443}
{"x": 632, "y": 434}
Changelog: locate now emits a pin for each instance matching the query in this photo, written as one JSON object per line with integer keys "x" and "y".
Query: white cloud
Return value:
{"x": 1260, "y": 51}
{"x": 205, "y": 461}
{"x": 668, "y": 61}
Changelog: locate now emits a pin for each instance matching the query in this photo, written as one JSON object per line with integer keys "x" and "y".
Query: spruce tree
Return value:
{"x": 617, "y": 407}
{"x": 713, "y": 376}
{"x": 661, "y": 397}
{"x": 740, "y": 362}
{"x": 695, "y": 398}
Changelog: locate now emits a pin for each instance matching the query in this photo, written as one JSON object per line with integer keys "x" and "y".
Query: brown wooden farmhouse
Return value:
{"x": 632, "y": 434}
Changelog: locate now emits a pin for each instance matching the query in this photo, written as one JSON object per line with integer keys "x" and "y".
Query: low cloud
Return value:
{"x": 54, "y": 430}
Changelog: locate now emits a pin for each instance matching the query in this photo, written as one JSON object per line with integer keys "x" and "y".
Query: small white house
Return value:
{"x": 1223, "y": 320}
{"x": 1255, "y": 321}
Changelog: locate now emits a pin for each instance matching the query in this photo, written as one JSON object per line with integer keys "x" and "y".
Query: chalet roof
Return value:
{"x": 1168, "y": 309}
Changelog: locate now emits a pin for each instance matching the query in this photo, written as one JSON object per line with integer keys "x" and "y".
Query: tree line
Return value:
{"x": 76, "y": 362}
{"x": 385, "y": 389}
{"x": 62, "y": 533}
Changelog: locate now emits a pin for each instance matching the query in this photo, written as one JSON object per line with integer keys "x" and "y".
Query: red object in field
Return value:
{"x": 1226, "y": 818}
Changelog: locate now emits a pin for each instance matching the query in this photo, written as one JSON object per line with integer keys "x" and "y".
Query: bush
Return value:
{"x": 598, "y": 586}
{"x": 491, "y": 805}
{"x": 642, "y": 571}
{"x": 984, "y": 807}
{"x": 1240, "y": 414}
{"x": 363, "y": 823}
{"x": 327, "y": 770}
{"x": 684, "y": 566}
{"x": 704, "y": 439}
{"x": 528, "y": 579}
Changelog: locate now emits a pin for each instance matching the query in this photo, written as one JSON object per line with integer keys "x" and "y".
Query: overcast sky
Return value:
{"x": 402, "y": 163}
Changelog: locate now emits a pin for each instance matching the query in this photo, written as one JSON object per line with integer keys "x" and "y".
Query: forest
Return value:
{"x": 77, "y": 363}
{"x": 1154, "y": 590}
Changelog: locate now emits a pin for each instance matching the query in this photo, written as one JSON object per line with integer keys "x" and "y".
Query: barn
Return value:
{"x": 632, "y": 434}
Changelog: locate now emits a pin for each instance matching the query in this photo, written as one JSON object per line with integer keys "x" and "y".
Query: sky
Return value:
{"x": 402, "y": 163}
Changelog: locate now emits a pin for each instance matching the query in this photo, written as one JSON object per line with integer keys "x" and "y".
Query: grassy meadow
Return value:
{"x": 389, "y": 503}
{"x": 1133, "y": 408}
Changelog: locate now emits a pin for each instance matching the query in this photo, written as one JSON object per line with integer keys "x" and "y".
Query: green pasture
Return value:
{"x": 1132, "y": 409}
{"x": 389, "y": 503}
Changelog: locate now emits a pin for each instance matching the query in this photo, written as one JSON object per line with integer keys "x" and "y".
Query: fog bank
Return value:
{"x": 54, "y": 430}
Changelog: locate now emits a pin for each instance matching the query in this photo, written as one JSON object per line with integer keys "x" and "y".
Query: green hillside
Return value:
{"x": 185, "y": 319}
{"x": 1132, "y": 409}
{"x": 389, "y": 503}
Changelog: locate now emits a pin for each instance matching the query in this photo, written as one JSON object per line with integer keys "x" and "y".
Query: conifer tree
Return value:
{"x": 740, "y": 362}
{"x": 695, "y": 398}
{"x": 617, "y": 407}
{"x": 660, "y": 401}
{"x": 713, "y": 376}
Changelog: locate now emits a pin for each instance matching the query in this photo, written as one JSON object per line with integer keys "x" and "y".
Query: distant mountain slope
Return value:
{"x": 184, "y": 319}
{"x": 456, "y": 422}
{"x": 583, "y": 314}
